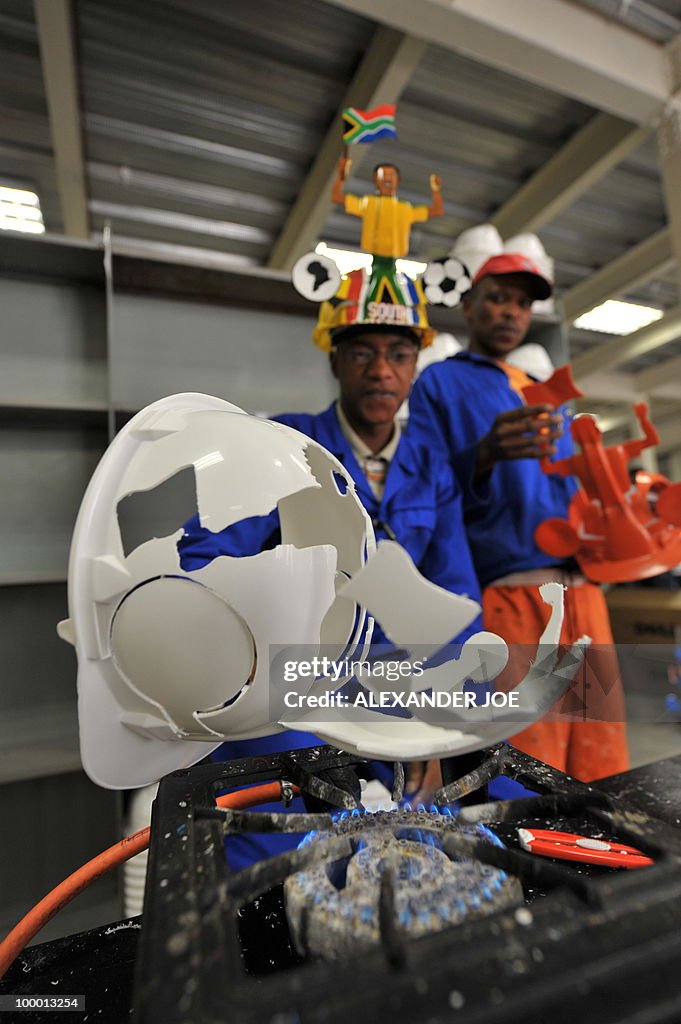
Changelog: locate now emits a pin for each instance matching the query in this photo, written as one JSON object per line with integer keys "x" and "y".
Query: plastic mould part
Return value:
{"x": 559, "y": 388}
{"x": 617, "y": 531}
{"x": 166, "y": 655}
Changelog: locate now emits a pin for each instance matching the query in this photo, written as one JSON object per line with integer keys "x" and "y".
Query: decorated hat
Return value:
{"x": 385, "y": 298}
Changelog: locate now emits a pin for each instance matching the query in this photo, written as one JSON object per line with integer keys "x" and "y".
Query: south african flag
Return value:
{"x": 369, "y": 125}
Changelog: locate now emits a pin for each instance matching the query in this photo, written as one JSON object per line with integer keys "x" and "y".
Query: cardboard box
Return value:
{"x": 645, "y": 615}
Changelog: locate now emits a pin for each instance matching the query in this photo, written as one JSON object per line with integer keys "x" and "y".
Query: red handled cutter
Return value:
{"x": 568, "y": 846}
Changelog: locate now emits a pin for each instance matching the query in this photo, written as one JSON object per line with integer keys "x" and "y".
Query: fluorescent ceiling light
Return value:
{"x": 20, "y": 210}
{"x": 615, "y": 317}
{"x": 347, "y": 260}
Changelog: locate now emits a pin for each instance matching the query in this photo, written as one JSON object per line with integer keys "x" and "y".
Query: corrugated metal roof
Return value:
{"x": 657, "y": 19}
{"x": 452, "y": 120}
{"x": 235, "y": 106}
{"x": 204, "y": 138}
{"x": 625, "y": 207}
{"x": 201, "y": 121}
{"x": 26, "y": 157}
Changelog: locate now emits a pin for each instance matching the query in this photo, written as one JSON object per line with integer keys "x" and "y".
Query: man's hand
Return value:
{"x": 528, "y": 432}
{"x": 424, "y": 778}
{"x": 435, "y": 183}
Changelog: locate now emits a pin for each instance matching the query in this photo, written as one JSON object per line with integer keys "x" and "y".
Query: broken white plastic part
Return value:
{"x": 406, "y": 739}
{"x": 445, "y": 730}
{"x": 414, "y": 613}
{"x": 167, "y": 655}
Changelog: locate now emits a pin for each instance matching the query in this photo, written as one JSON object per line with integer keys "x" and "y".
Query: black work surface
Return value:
{"x": 100, "y": 963}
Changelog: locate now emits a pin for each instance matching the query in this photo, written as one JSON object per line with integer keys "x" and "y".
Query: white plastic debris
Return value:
{"x": 173, "y": 662}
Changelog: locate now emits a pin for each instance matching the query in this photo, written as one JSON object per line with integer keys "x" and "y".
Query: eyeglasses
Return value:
{"x": 399, "y": 355}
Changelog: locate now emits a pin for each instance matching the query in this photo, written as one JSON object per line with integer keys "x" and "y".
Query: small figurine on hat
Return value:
{"x": 386, "y": 220}
{"x": 617, "y": 533}
{"x": 386, "y": 226}
{"x": 384, "y": 295}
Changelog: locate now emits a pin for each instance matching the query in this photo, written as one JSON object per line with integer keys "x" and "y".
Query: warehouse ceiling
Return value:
{"x": 209, "y": 132}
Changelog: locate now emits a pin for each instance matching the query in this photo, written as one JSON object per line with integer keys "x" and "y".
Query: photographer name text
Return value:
{"x": 390, "y": 699}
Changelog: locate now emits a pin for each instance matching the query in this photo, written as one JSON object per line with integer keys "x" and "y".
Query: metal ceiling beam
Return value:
{"x": 637, "y": 265}
{"x": 386, "y": 68}
{"x": 568, "y": 49}
{"x": 54, "y": 19}
{"x": 669, "y": 150}
{"x": 670, "y": 435}
{"x": 608, "y": 387}
{"x": 663, "y": 379}
{"x": 593, "y": 151}
{"x": 621, "y": 350}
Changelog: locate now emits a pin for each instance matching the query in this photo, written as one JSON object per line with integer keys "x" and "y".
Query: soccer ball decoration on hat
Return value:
{"x": 446, "y": 281}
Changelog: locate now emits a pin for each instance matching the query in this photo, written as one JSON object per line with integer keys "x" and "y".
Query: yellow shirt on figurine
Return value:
{"x": 386, "y": 223}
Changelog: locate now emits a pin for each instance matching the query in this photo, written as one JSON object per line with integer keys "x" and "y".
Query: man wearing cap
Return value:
{"x": 471, "y": 408}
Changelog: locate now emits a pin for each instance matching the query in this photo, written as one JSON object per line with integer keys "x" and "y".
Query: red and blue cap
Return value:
{"x": 516, "y": 263}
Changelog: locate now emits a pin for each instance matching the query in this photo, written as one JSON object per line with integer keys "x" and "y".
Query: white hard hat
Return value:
{"x": 533, "y": 359}
{"x": 166, "y": 654}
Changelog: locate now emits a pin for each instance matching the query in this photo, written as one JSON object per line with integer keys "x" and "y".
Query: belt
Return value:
{"x": 535, "y": 578}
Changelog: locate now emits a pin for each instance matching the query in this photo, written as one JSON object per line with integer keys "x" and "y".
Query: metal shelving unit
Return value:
{"x": 81, "y": 353}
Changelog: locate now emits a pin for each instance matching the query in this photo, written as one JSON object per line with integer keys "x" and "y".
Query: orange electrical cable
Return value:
{"x": 49, "y": 905}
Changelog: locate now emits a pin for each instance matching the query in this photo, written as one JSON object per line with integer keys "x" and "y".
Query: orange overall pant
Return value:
{"x": 596, "y": 745}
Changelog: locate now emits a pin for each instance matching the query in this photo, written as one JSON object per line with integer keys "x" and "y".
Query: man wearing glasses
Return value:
{"x": 408, "y": 490}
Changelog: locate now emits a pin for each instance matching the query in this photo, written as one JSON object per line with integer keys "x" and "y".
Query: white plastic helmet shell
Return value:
{"x": 172, "y": 662}
{"x": 165, "y": 654}
{"x": 533, "y": 359}
{"x": 531, "y": 245}
{"x": 476, "y": 245}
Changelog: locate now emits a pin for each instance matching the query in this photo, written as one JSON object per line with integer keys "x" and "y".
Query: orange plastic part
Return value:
{"x": 559, "y": 388}
{"x": 617, "y": 530}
